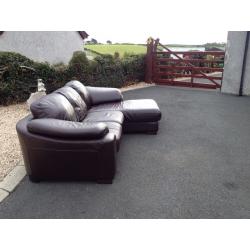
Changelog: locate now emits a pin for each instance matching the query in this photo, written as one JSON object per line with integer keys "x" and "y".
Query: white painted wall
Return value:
{"x": 51, "y": 46}
{"x": 246, "y": 82}
{"x": 233, "y": 62}
{"x": 233, "y": 67}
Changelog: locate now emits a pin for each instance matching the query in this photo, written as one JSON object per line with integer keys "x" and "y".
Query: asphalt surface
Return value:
{"x": 197, "y": 166}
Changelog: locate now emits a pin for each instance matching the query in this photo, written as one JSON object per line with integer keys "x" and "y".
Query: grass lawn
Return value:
{"x": 120, "y": 48}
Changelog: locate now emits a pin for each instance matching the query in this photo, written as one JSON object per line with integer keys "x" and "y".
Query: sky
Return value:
{"x": 175, "y": 21}
{"x": 135, "y": 21}
{"x": 134, "y": 35}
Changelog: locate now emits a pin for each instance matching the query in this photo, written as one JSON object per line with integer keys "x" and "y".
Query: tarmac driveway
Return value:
{"x": 197, "y": 166}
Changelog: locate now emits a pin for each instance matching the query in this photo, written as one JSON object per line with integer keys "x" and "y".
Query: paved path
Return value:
{"x": 196, "y": 167}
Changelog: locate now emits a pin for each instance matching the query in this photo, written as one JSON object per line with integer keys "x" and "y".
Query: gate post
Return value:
{"x": 156, "y": 43}
{"x": 149, "y": 60}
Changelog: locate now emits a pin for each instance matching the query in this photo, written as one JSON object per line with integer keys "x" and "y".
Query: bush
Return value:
{"x": 79, "y": 67}
{"x": 18, "y": 82}
{"x": 15, "y": 83}
{"x": 134, "y": 67}
{"x": 106, "y": 72}
{"x": 50, "y": 76}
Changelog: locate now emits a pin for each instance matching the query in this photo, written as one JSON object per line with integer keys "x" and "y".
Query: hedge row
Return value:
{"x": 18, "y": 80}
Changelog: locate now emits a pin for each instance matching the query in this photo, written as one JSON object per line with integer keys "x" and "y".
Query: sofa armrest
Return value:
{"x": 101, "y": 95}
{"x": 67, "y": 129}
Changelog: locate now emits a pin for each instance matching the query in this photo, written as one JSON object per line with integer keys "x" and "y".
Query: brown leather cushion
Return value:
{"x": 76, "y": 101}
{"x": 101, "y": 95}
{"x": 82, "y": 91}
{"x": 68, "y": 129}
{"x": 54, "y": 106}
{"x": 105, "y": 116}
{"x": 141, "y": 110}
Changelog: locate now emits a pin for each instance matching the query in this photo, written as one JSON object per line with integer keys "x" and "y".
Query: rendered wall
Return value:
{"x": 50, "y": 46}
{"x": 233, "y": 69}
{"x": 233, "y": 62}
{"x": 246, "y": 83}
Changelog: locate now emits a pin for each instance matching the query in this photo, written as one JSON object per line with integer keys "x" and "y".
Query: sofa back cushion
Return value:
{"x": 76, "y": 101}
{"x": 82, "y": 91}
{"x": 54, "y": 106}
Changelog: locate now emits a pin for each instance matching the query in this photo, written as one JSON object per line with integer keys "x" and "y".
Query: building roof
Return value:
{"x": 83, "y": 34}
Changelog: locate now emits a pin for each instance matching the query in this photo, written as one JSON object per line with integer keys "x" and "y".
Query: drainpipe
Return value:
{"x": 244, "y": 65}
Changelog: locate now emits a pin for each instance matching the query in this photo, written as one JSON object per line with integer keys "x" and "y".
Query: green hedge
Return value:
{"x": 17, "y": 80}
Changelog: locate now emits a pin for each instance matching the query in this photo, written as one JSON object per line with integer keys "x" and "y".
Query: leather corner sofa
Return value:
{"x": 74, "y": 133}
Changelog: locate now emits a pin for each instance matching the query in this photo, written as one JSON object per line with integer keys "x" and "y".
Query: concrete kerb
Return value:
{"x": 10, "y": 182}
{"x": 3, "y": 195}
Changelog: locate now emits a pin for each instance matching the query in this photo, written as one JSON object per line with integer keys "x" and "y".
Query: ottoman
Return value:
{"x": 141, "y": 115}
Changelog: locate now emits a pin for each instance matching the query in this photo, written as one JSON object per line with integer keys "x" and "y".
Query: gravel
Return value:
{"x": 10, "y": 152}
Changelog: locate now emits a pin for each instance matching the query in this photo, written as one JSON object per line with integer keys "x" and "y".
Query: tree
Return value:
{"x": 109, "y": 42}
{"x": 94, "y": 41}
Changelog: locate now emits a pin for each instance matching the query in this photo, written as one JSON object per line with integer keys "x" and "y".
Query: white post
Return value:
{"x": 41, "y": 91}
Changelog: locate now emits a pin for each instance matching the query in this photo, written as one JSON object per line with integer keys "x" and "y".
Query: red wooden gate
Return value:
{"x": 199, "y": 69}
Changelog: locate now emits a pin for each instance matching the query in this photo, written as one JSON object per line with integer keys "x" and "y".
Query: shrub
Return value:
{"x": 79, "y": 67}
{"x": 49, "y": 76}
{"x": 15, "y": 82}
{"x": 133, "y": 67}
{"x": 18, "y": 82}
{"x": 107, "y": 72}
{"x": 116, "y": 55}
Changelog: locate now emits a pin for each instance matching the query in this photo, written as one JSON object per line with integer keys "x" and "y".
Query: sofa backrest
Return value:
{"x": 76, "y": 101}
{"x": 55, "y": 106}
{"x": 82, "y": 91}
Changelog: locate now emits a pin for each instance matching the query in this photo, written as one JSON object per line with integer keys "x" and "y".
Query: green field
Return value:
{"x": 137, "y": 49}
{"x": 120, "y": 48}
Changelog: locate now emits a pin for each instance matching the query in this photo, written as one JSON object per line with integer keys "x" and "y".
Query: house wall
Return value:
{"x": 233, "y": 69}
{"x": 246, "y": 83}
{"x": 50, "y": 46}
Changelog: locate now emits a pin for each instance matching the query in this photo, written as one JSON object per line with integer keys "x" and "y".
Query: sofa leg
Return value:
{"x": 104, "y": 181}
{"x": 34, "y": 179}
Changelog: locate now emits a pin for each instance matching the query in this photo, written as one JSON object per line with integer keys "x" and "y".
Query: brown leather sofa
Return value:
{"x": 74, "y": 133}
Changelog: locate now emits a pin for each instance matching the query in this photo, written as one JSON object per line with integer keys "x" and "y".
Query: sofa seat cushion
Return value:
{"x": 141, "y": 110}
{"x": 105, "y": 116}
{"x": 116, "y": 106}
